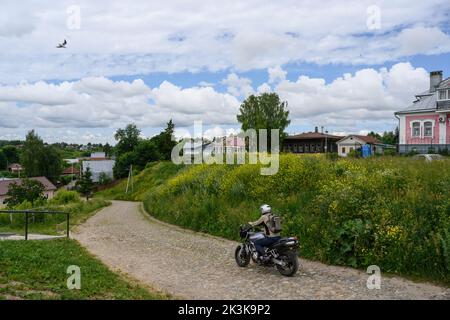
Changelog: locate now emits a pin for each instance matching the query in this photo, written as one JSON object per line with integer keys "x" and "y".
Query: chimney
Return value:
{"x": 435, "y": 79}
{"x": 316, "y": 129}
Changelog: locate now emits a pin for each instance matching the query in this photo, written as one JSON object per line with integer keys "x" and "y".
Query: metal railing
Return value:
{"x": 32, "y": 212}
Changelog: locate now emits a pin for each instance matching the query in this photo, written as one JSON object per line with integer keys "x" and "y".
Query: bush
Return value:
{"x": 389, "y": 211}
{"x": 412, "y": 153}
{"x": 333, "y": 156}
{"x": 354, "y": 154}
{"x": 390, "y": 152}
{"x": 444, "y": 152}
{"x": 65, "y": 180}
{"x": 104, "y": 178}
{"x": 65, "y": 197}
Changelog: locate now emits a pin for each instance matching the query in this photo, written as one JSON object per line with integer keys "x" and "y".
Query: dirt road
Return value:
{"x": 197, "y": 266}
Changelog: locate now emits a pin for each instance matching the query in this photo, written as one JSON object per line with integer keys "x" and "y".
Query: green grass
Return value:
{"x": 393, "y": 212}
{"x": 37, "y": 270}
{"x": 79, "y": 210}
{"x": 144, "y": 182}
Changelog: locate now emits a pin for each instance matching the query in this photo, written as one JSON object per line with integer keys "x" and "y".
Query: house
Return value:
{"x": 4, "y": 187}
{"x": 98, "y": 155}
{"x": 98, "y": 163}
{"x": 15, "y": 168}
{"x": 71, "y": 171}
{"x": 424, "y": 126}
{"x": 229, "y": 145}
{"x": 367, "y": 145}
{"x": 311, "y": 142}
{"x": 194, "y": 147}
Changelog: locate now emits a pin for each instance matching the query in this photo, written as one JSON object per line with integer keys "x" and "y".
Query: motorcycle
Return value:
{"x": 283, "y": 254}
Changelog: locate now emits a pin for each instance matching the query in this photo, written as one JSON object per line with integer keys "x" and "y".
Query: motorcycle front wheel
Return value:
{"x": 290, "y": 267}
{"x": 241, "y": 256}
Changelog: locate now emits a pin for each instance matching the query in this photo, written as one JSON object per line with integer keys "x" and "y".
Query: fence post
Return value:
{"x": 26, "y": 225}
{"x": 68, "y": 224}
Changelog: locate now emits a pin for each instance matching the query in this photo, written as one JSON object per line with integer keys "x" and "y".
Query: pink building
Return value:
{"x": 425, "y": 125}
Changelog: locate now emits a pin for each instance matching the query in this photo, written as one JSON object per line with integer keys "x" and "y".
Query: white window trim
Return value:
{"x": 432, "y": 129}
{"x": 411, "y": 124}
{"x": 447, "y": 94}
{"x": 422, "y": 128}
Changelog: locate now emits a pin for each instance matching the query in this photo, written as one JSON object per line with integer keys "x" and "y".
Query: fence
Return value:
{"x": 27, "y": 215}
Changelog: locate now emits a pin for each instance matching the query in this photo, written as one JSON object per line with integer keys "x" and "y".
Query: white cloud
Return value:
{"x": 219, "y": 131}
{"x": 92, "y": 108}
{"x": 369, "y": 96}
{"x": 205, "y": 84}
{"x": 276, "y": 74}
{"x": 103, "y": 103}
{"x": 119, "y": 39}
{"x": 264, "y": 88}
{"x": 413, "y": 41}
{"x": 237, "y": 86}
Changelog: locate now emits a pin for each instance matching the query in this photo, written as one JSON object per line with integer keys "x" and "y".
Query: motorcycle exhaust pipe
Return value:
{"x": 278, "y": 262}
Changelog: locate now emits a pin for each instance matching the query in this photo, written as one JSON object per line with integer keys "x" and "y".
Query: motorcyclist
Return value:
{"x": 270, "y": 236}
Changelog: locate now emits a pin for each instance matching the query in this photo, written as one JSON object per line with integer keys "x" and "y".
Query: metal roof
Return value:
{"x": 426, "y": 101}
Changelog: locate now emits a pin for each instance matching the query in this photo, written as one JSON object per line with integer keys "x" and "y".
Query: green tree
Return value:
{"x": 11, "y": 153}
{"x": 123, "y": 163}
{"x": 127, "y": 139}
{"x": 27, "y": 190}
{"x": 390, "y": 137}
{"x": 396, "y": 135}
{"x": 265, "y": 111}
{"x": 131, "y": 150}
{"x": 32, "y": 154}
{"x": 85, "y": 184}
{"x": 108, "y": 150}
{"x": 147, "y": 151}
{"x": 39, "y": 159}
{"x": 103, "y": 178}
{"x": 164, "y": 142}
{"x": 52, "y": 163}
{"x": 3, "y": 160}
{"x": 374, "y": 135}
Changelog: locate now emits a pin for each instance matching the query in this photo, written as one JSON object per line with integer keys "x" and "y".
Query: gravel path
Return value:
{"x": 197, "y": 266}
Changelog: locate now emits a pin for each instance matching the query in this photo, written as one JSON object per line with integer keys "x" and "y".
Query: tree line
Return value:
{"x": 131, "y": 149}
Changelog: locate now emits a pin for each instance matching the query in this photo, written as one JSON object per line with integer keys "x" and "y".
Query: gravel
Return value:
{"x": 193, "y": 265}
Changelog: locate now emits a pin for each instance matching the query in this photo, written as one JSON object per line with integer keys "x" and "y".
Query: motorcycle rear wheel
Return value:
{"x": 241, "y": 257}
{"x": 291, "y": 261}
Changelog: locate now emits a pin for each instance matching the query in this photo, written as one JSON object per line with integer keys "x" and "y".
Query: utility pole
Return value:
{"x": 130, "y": 177}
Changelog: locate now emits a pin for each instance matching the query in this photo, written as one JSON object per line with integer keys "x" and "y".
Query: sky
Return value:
{"x": 346, "y": 66}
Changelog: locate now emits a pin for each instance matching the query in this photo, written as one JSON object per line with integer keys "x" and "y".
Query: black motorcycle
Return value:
{"x": 283, "y": 254}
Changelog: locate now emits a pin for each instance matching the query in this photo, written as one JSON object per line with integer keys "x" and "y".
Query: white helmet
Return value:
{"x": 265, "y": 208}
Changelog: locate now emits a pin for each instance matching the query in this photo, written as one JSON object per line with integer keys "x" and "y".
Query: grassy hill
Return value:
{"x": 392, "y": 212}
{"x": 144, "y": 182}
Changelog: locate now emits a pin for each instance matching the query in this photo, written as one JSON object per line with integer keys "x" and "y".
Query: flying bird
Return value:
{"x": 62, "y": 45}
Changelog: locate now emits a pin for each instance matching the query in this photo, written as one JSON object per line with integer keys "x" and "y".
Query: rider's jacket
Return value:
{"x": 265, "y": 221}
